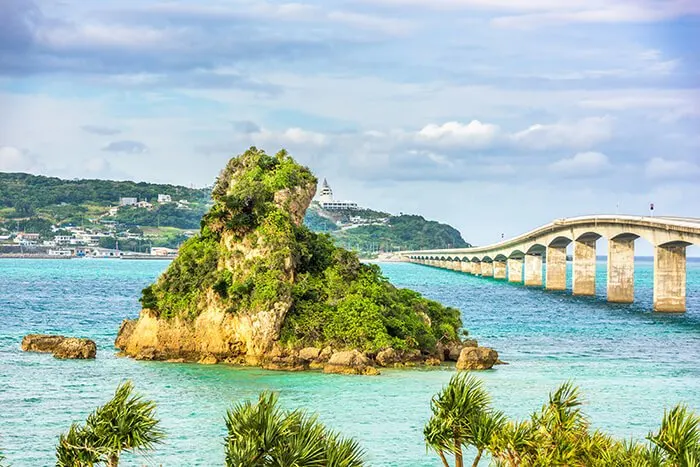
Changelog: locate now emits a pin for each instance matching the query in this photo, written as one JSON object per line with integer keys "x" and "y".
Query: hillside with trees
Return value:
{"x": 368, "y": 231}
{"x": 39, "y": 204}
{"x": 27, "y": 194}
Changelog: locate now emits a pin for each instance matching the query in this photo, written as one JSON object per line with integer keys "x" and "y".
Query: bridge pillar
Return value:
{"x": 499, "y": 269}
{"x": 669, "y": 278}
{"x": 466, "y": 266}
{"x": 556, "y": 268}
{"x": 476, "y": 268}
{"x": 486, "y": 269}
{"x": 515, "y": 270}
{"x": 533, "y": 270}
{"x": 621, "y": 270}
{"x": 584, "y": 267}
{"x": 456, "y": 265}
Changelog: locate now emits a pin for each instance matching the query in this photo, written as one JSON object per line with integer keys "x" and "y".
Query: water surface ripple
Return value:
{"x": 630, "y": 362}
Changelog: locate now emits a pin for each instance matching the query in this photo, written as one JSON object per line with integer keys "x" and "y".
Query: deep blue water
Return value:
{"x": 630, "y": 363}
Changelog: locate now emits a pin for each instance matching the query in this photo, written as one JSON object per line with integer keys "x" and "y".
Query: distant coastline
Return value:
{"x": 126, "y": 257}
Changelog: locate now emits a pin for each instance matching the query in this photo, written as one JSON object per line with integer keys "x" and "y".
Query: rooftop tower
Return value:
{"x": 326, "y": 195}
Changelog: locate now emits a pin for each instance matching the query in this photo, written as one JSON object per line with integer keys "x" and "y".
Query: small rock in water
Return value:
{"x": 477, "y": 358}
{"x": 208, "y": 360}
{"x": 62, "y": 347}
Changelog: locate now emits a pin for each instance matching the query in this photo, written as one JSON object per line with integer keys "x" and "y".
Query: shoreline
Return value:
{"x": 129, "y": 257}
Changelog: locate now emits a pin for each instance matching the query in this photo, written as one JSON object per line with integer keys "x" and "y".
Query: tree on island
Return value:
{"x": 558, "y": 435}
{"x": 125, "y": 423}
{"x": 261, "y": 435}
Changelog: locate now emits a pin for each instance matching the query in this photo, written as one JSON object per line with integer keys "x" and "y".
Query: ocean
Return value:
{"x": 630, "y": 363}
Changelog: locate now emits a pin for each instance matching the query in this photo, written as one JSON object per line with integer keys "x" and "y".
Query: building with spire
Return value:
{"x": 325, "y": 199}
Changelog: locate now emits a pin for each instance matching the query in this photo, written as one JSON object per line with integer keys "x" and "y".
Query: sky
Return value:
{"x": 494, "y": 116}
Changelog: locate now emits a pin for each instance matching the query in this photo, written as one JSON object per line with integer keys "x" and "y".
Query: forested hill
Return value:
{"x": 369, "y": 231}
{"x": 34, "y": 203}
{"x": 21, "y": 190}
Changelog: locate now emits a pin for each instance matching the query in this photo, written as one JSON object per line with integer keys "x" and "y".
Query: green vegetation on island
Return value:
{"x": 254, "y": 254}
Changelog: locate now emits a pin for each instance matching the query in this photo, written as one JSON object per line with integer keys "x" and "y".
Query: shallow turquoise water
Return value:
{"x": 630, "y": 362}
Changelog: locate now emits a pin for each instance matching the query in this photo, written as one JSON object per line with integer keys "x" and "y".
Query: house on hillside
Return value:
{"x": 163, "y": 199}
{"x": 128, "y": 201}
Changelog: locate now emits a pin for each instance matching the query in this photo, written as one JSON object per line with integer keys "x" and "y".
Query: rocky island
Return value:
{"x": 257, "y": 287}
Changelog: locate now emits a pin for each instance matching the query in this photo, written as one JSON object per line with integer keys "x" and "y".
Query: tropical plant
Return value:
{"x": 678, "y": 439}
{"x": 262, "y": 434}
{"x": 462, "y": 417}
{"x": 559, "y": 434}
{"x": 126, "y": 423}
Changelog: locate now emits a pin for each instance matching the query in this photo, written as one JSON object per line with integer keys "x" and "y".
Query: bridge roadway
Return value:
{"x": 521, "y": 259}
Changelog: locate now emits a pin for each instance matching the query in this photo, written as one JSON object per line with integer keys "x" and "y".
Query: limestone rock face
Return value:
{"x": 387, "y": 357}
{"x": 61, "y": 347}
{"x": 325, "y": 354}
{"x": 124, "y": 334}
{"x": 477, "y": 358}
{"x": 349, "y": 362}
{"x": 41, "y": 343}
{"x": 309, "y": 353}
{"x": 208, "y": 360}
{"x": 240, "y": 243}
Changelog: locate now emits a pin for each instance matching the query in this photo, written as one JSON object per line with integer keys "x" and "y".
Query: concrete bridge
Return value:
{"x": 520, "y": 259}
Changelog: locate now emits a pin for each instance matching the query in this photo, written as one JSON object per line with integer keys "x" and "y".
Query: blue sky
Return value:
{"x": 492, "y": 115}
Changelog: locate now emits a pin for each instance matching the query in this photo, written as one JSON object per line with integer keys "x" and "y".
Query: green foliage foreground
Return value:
{"x": 125, "y": 423}
{"x": 261, "y": 434}
{"x": 332, "y": 298}
{"x": 558, "y": 435}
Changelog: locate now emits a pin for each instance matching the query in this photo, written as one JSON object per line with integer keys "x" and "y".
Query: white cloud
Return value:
{"x": 583, "y": 164}
{"x": 126, "y": 147}
{"x": 535, "y": 13}
{"x": 15, "y": 160}
{"x": 660, "y": 168}
{"x": 370, "y": 23}
{"x": 582, "y": 134}
{"x": 90, "y": 35}
{"x": 472, "y": 135}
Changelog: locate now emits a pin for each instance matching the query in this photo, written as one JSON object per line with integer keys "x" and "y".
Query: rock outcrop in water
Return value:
{"x": 60, "y": 346}
{"x": 257, "y": 287}
{"x": 477, "y": 358}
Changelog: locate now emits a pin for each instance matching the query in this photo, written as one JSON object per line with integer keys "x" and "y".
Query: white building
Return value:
{"x": 144, "y": 204}
{"x": 162, "y": 199}
{"x": 162, "y": 251}
{"x": 128, "y": 201}
{"x": 62, "y": 239}
{"x": 325, "y": 199}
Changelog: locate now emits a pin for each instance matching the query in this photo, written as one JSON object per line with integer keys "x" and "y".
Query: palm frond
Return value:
{"x": 679, "y": 436}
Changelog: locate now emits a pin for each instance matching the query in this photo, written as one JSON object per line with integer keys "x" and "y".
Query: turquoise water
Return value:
{"x": 630, "y": 362}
